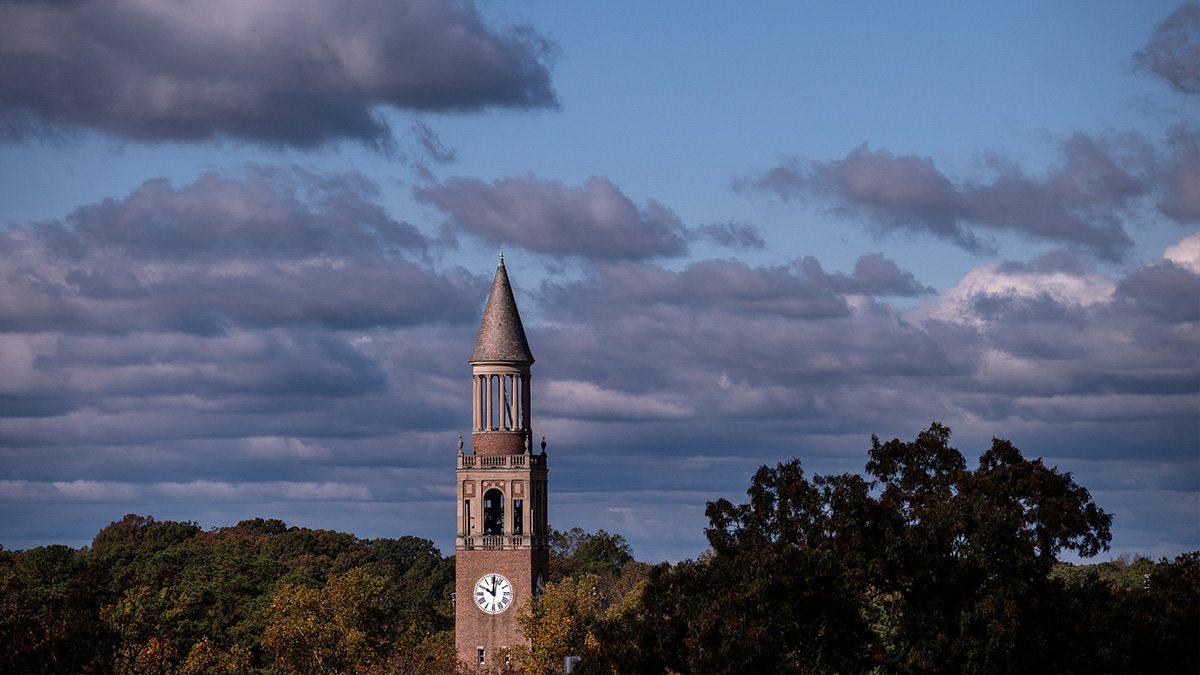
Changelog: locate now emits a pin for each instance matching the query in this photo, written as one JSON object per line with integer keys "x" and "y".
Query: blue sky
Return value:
{"x": 1023, "y": 176}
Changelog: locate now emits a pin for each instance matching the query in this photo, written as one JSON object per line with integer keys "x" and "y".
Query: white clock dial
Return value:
{"x": 493, "y": 593}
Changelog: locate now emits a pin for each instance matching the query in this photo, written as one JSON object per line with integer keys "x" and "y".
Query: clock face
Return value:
{"x": 493, "y": 593}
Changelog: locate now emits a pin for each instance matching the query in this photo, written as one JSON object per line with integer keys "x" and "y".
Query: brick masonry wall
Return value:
{"x": 475, "y": 628}
{"x": 498, "y": 442}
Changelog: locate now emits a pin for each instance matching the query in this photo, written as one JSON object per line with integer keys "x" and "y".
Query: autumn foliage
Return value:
{"x": 168, "y": 597}
{"x": 920, "y": 564}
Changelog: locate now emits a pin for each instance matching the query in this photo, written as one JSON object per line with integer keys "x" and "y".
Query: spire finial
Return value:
{"x": 501, "y": 263}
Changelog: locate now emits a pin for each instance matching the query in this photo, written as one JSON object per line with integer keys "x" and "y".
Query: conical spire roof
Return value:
{"x": 501, "y": 335}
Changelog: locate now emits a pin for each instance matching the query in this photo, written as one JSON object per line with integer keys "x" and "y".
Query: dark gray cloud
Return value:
{"x": 800, "y": 291}
{"x": 892, "y": 192}
{"x": 743, "y": 236}
{"x": 432, "y": 146}
{"x": 305, "y": 363}
{"x": 594, "y": 220}
{"x": 1180, "y": 199}
{"x": 1051, "y": 341}
{"x": 874, "y": 275}
{"x": 267, "y": 212}
{"x": 1165, "y": 290}
{"x": 277, "y": 247}
{"x": 223, "y": 332}
{"x": 1049, "y": 262}
{"x": 275, "y": 72}
{"x": 1173, "y": 50}
{"x": 1082, "y": 201}
{"x": 794, "y": 291}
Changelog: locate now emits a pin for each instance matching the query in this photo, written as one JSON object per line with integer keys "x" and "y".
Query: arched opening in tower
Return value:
{"x": 493, "y": 512}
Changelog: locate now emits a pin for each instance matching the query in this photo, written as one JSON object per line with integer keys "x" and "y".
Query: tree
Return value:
{"x": 355, "y": 622}
{"x": 1168, "y": 616}
{"x": 921, "y": 564}
{"x": 783, "y": 589}
{"x": 49, "y": 603}
{"x": 576, "y": 551}
{"x": 339, "y": 627}
{"x": 585, "y": 615}
{"x": 969, "y": 553}
{"x": 162, "y": 596}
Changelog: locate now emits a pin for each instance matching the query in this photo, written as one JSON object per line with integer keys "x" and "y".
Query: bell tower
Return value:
{"x": 501, "y": 551}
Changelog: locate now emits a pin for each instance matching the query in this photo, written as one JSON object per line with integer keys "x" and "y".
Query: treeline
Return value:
{"x": 168, "y": 597}
{"x": 920, "y": 564}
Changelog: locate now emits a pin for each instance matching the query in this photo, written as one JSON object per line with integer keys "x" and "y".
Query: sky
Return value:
{"x": 245, "y": 247}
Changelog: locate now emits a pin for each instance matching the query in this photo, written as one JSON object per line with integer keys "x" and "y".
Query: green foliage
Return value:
{"x": 784, "y": 589}
{"x": 167, "y": 597}
{"x": 49, "y": 604}
{"x": 576, "y": 552}
{"x": 922, "y": 564}
{"x": 585, "y": 615}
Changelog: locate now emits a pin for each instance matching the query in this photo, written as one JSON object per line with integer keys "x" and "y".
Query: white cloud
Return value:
{"x": 580, "y": 399}
{"x": 274, "y": 447}
{"x": 1066, "y": 287}
{"x": 1186, "y": 253}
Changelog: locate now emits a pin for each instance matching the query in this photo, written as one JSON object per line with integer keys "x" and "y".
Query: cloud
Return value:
{"x": 1180, "y": 199}
{"x": 242, "y": 312}
{"x": 1083, "y": 201}
{"x": 198, "y": 490}
{"x": 803, "y": 351}
{"x": 873, "y": 275}
{"x": 1173, "y": 51}
{"x": 595, "y": 220}
{"x": 432, "y": 146}
{"x": 278, "y": 247}
{"x": 577, "y": 399}
{"x": 271, "y": 212}
{"x": 803, "y": 290}
{"x": 275, "y": 72}
{"x": 731, "y": 235}
{"x": 1048, "y": 330}
{"x": 303, "y": 356}
{"x": 1057, "y": 277}
{"x": 1186, "y": 253}
{"x": 1164, "y": 289}
{"x": 275, "y": 447}
{"x": 634, "y": 287}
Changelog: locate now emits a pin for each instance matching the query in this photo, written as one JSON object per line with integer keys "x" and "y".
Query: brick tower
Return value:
{"x": 501, "y": 552}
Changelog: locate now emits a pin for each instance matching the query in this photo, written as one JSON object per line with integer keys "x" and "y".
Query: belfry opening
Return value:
{"x": 493, "y": 512}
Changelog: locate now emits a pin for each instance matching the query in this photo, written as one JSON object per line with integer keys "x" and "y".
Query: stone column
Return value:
{"x": 515, "y": 409}
{"x": 525, "y": 401}
{"x": 487, "y": 425}
{"x": 506, "y": 504}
